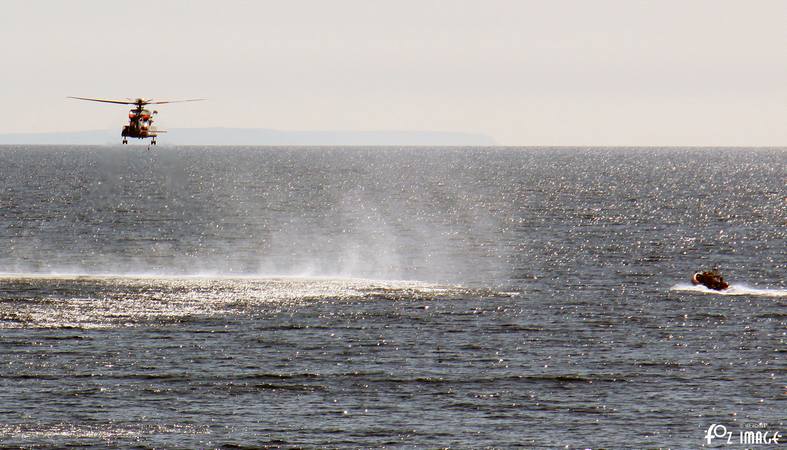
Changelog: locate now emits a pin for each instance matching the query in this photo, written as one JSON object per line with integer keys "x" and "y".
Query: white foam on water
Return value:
{"x": 733, "y": 290}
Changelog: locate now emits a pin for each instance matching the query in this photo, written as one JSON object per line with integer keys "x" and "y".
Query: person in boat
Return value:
{"x": 710, "y": 279}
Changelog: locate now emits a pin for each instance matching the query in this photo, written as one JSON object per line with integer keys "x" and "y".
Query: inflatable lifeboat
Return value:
{"x": 711, "y": 280}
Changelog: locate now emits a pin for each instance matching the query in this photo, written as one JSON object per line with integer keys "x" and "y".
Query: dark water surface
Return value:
{"x": 325, "y": 297}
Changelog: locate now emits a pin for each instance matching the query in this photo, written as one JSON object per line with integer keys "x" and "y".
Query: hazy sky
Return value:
{"x": 557, "y": 72}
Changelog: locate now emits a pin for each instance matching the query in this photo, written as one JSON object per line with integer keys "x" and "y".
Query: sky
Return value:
{"x": 525, "y": 72}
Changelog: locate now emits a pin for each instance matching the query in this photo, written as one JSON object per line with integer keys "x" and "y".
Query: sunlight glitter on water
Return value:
{"x": 102, "y": 301}
{"x": 74, "y": 431}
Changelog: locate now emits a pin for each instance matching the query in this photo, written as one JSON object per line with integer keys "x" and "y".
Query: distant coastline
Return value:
{"x": 257, "y": 136}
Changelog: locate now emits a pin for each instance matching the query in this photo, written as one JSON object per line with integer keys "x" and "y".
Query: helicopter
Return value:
{"x": 140, "y": 120}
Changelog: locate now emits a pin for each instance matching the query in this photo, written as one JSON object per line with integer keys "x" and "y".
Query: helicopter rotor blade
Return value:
{"x": 174, "y": 101}
{"x": 119, "y": 102}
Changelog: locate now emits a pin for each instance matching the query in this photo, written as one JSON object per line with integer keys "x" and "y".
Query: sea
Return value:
{"x": 372, "y": 297}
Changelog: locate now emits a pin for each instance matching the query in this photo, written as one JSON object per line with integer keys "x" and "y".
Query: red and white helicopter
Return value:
{"x": 140, "y": 120}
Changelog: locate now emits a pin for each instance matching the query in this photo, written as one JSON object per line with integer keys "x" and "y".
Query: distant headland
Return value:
{"x": 257, "y": 136}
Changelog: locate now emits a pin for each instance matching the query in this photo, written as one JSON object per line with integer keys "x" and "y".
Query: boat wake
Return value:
{"x": 734, "y": 290}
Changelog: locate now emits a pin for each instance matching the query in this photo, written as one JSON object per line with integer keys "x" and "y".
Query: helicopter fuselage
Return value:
{"x": 140, "y": 125}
